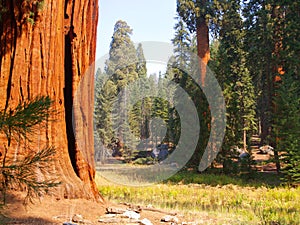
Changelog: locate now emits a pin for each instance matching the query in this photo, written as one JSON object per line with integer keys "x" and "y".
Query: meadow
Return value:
{"x": 220, "y": 199}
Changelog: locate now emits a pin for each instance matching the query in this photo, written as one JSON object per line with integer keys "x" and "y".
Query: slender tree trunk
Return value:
{"x": 49, "y": 57}
{"x": 245, "y": 140}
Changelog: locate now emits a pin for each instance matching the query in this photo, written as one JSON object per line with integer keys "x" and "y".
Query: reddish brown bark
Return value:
{"x": 50, "y": 57}
{"x": 203, "y": 47}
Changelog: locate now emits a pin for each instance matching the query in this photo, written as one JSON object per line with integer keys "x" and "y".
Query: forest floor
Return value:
{"x": 50, "y": 211}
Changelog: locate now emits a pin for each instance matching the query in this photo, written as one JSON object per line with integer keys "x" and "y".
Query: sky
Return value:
{"x": 151, "y": 20}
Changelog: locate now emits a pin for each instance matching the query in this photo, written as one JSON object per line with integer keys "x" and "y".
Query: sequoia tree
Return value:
{"x": 47, "y": 47}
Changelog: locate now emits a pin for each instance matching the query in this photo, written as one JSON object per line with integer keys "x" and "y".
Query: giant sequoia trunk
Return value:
{"x": 47, "y": 51}
{"x": 203, "y": 46}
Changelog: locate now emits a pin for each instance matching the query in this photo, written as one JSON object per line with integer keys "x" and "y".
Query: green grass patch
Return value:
{"x": 226, "y": 200}
{"x": 254, "y": 179}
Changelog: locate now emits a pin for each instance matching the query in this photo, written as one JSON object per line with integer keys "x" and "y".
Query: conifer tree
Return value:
{"x": 121, "y": 66}
{"x": 183, "y": 66}
{"x": 236, "y": 82}
{"x": 140, "y": 114}
{"x": 287, "y": 93}
{"x": 287, "y": 126}
{"x": 104, "y": 96}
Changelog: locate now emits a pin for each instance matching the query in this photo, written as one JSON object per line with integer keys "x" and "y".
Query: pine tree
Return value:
{"x": 200, "y": 16}
{"x": 287, "y": 93}
{"x": 182, "y": 45}
{"x": 121, "y": 66}
{"x": 140, "y": 110}
{"x": 105, "y": 92}
{"x": 287, "y": 126}
{"x": 141, "y": 66}
{"x": 236, "y": 82}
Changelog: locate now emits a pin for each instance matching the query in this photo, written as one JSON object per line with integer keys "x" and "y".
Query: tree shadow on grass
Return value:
{"x": 216, "y": 177}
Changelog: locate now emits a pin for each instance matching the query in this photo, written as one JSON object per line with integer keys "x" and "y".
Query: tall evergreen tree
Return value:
{"x": 287, "y": 126}
{"x": 140, "y": 114}
{"x": 141, "y": 66}
{"x": 182, "y": 45}
{"x": 121, "y": 66}
{"x": 185, "y": 43}
{"x": 287, "y": 92}
{"x": 235, "y": 80}
{"x": 104, "y": 98}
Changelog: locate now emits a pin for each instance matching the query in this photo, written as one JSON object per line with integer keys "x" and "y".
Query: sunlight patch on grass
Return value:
{"x": 240, "y": 204}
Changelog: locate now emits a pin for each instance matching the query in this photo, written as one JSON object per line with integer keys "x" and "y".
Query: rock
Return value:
{"x": 145, "y": 222}
{"x": 110, "y": 215}
{"x": 77, "y": 218}
{"x": 110, "y": 220}
{"x": 131, "y": 215}
{"x": 111, "y": 210}
{"x": 117, "y": 220}
{"x": 68, "y": 223}
{"x": 169, "y": 219}
{"x": 266, "y": 149}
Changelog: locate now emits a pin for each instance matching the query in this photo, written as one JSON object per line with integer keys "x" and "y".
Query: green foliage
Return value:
{"x": 287, "y": 126}
{"x": 104, "y": 96}
{"x": 23, "y": 173}
{"x": 260, "y": 36}
{"x": 237, "y": 85}
{"x": 26, "y": 10}
{"x": 194, "y": 12}
{"x": 119, "y": 114}
{"x": 19, "y": 124}
{"x": 27, "y": 114}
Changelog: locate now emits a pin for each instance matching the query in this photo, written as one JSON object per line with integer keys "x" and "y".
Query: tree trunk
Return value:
{"x": 47, "y": 51}
{"x": 202, "y": 46}
{"x": 245, "y": 140}
{"x": 277, "y": 72}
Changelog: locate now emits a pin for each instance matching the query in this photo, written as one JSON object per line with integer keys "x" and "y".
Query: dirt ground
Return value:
{"x": 50, "y": 211}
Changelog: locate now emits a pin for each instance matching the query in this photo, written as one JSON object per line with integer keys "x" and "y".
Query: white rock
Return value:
{"x": 131, "y": 215}
{"x": 168, "y": 218}
{"x": 146, "y": 222}
{"x": 77, "y": 218}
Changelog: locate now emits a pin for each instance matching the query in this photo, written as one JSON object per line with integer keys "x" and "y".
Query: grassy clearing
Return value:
{"x": 227, "y": 200}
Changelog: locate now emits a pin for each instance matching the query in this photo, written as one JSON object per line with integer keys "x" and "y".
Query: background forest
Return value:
{"x": 253, "y": 49}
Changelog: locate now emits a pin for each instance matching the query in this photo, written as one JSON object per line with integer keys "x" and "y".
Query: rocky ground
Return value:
{"x": 71, "y": 212}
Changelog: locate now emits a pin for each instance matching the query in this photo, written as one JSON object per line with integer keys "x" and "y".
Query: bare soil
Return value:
{"x": 48, "y": 210}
